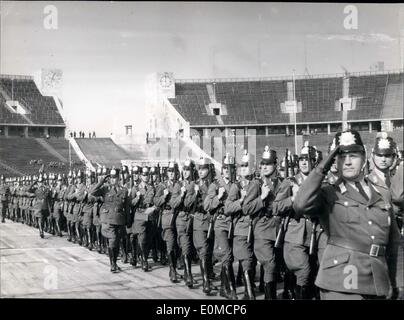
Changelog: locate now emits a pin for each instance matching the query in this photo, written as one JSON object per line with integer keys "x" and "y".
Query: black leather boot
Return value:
{"x": 111, "y": 259}
{"x": 239, "y": 280}
{"x": 173, "y": 271}
{"x": 249, "y": 290}
{"x": 133, "y": 258}
{"x": 302, "y": 293}
{"x": 270, "y": 290}
{"x": 206, "y": 281}
{"x": 223, "y": 283}
{"x": 231, "y": 282}
{"x": 189, "y": 281}
{"x": 261, "y": 286}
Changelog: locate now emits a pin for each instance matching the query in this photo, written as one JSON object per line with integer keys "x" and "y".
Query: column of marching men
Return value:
{"x": 300, "y": 218}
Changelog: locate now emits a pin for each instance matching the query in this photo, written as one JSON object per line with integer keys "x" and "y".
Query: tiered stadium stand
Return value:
{"x": 103, "y": 151}
{"x": 259, "y": 102}
{"x": 370, "y": 91}
{"x": 17, "y": 152}
{"x": 42, "y": 109}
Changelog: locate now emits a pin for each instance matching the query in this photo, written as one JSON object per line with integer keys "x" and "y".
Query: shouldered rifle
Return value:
{"x": 313, "y": 241}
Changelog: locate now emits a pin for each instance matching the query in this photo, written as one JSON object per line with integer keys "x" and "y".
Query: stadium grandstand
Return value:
{"x": 196, "y": 114}
{"x": 210, "y": 108}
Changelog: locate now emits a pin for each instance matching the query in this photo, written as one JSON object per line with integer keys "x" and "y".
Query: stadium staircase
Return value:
{"x": 393, "y": 99}
{"x": 102, "y": 151}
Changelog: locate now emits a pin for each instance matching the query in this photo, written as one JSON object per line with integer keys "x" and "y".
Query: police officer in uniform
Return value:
{"x": 99, "y": 239}
{"x": 142, "y": 202}
{"x": 78, "y": 197}
{"x": 259, "y": 204}
{"x": 242, "y": 243}
{"x": 169, "y": 198}
{"x": 58, "y": 193}
{"x": 88, "y": 211}
{"x": 42, "y": 204}
{"x": 223, "y": 226}
{"x": 195, "y": 198}
{"x": 68, "y": 206}
{"x": 115, "y": 208}
{"x": 363, "y": 237}
{"x": 184, "y": 221}
{"x": 297, "y": 229}
{"x": 4, "y": 198}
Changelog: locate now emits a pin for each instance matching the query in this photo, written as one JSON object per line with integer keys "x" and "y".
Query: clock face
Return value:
{"x": 52, "y": 79}
{"x": 165, "y": 81}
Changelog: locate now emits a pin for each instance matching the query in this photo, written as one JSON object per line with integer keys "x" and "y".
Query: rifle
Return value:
{"x": 250, "y": 230}
{"x": 313, "y": 238}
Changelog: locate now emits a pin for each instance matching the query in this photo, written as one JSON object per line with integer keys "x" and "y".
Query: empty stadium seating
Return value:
{"x": 42, "y": 109}
{"x": 259, "y": 102}
{"x": 17, "y": 153}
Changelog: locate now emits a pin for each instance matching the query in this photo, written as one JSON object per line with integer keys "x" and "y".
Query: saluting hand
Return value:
{"x": 183, "y": 190}
{"x": 221, "y": 192}
{"x": 166, "y": 192}
{"x": 196, "y": 188}
{"x": 265, "y": 189}
{"x": 326, "y": 164}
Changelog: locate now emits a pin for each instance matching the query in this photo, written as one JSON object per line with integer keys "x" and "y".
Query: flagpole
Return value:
{"x": 295, "y": 106}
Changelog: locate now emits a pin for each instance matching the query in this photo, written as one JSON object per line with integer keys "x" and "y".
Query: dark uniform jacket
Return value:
{"x": 215, "y": 206}
{"x": 143, "y": 202}
{"x": 186, "y": 208}
{"x": 169, "y": 204}
{"x": 68, "y": 205}
{"x": 363, "y": 235}
{"x": 57, "y": 196}
{"x": 265, "y": 224}
{"x": 78, "y": 198}
{"x": 116, "y": 203}
{"x": 42, "y": 196}
{"x": 4, "y": 195}
{"x": 299, "y": 229}
{"x": 243, "y": 220}
{"x": 196, "y": 199}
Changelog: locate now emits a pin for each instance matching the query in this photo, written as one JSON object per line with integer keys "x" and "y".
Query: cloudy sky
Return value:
{"x": 107, "y": 49}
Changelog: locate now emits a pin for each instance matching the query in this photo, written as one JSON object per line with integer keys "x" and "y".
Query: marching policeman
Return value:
{"x": 242, "y": 241}
{"x": 297, "y": 229}
{"x": 184, "y": 221}
{"x": 223, "y": 226}
{"x": 360, "y": 259}
{"x": 142, "y": 201}
{"x": 115, "y": 209}
{"x": 203, "y": 244}
{"x": 68, "y": 206}
{"x": 259, "y": 204}
{"x": 168, "y": 198}
{"x": 88, "y": 210}
{"x": 4, "y": 198}
{"x": 42, "y": 204}
{"x": 58, "y": 193}
{"x": 78, "y": 198}
{"x": 99, "y": 239}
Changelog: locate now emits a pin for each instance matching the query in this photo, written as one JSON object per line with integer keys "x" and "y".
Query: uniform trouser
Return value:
{"x": 334, "y": 295}
{"x": 184, "y": 239}
{"x": 264, "y": 251}
{"x": 3, "y": 212}
{"x": 203, "y": 245}
{"x": 142, "y": 229}
{"x": 113, "y": 233}
{"x": 223, "y": 247}
{"x": 297, "y": 260}
{"x": 169, "y": 237}
{"x": 243, "y": 252}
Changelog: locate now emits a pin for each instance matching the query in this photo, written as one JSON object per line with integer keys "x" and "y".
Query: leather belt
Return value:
{"x": 374, "y": 250}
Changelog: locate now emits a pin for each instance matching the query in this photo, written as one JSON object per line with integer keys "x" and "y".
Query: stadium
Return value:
{"x": 190, "y": 118}
{"x": 218, "y": 171}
